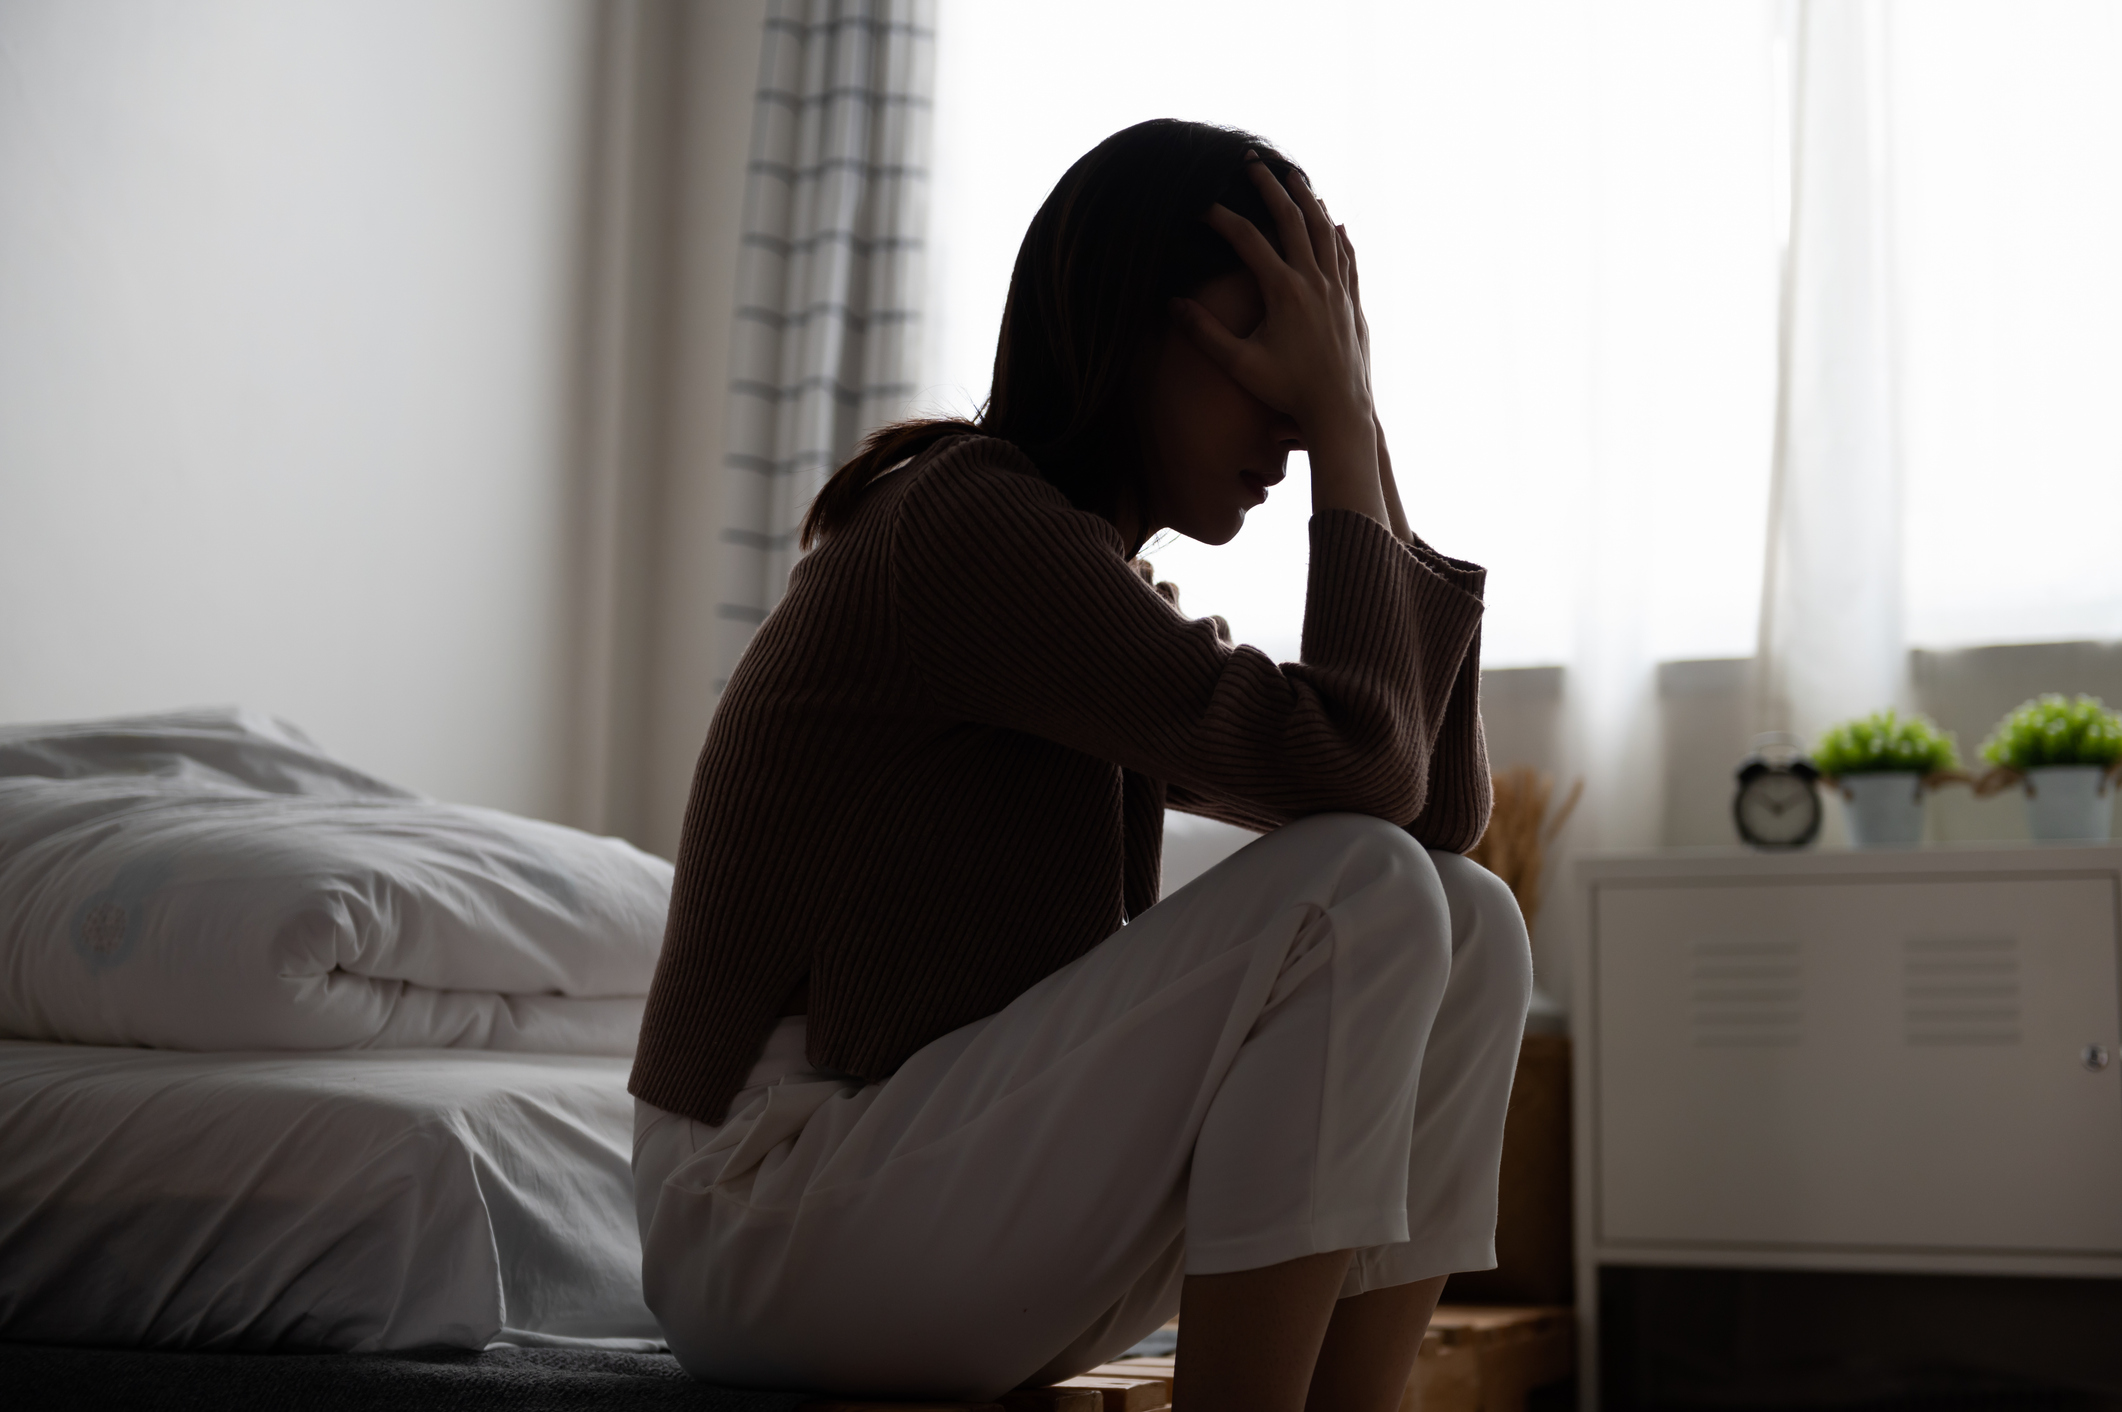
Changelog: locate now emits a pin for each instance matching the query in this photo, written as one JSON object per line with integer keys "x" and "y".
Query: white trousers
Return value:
{"x": 1308, "y": 1048}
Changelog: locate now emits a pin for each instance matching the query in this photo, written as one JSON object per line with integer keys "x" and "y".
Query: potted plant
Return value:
{"x": 1881, "y": 765}
{"x": 2068, "y": 755}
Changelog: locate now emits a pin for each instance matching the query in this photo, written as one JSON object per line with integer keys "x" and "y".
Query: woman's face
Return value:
{"x": 1213, "y": 448}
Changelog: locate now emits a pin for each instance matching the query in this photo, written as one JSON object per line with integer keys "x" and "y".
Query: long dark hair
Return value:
{"x": 1120, "y": 235}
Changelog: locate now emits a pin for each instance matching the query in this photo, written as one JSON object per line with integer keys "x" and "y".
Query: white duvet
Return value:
{"x": 212, "y": 880}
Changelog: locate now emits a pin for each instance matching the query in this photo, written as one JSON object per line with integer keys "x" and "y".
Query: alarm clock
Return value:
{"x": 1778, "y": 804}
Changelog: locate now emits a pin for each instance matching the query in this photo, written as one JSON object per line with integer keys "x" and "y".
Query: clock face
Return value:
{"x": 1778, "y": 808}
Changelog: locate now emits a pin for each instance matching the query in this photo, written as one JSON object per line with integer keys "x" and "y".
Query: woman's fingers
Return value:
{"x": 1317, "y": 226}
{"x": 1355, "y": 295}
{"x": 1307, "y": 357}
{"x": 1351, "y": 278}
{"x": 1297, "y": 248}
{"x": 1224, "y": 348}
{"x": 1251, "y": 245}
{"x": 1339, "y": 236}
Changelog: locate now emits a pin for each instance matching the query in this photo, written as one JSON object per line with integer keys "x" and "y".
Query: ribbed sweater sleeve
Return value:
{"x": 1017, "y": 610}
{"x": 1460, "y": 788}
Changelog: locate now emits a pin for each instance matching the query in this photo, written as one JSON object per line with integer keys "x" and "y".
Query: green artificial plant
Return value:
{"x": 2053, "y": 731}
{"x": 1886, "y": 740}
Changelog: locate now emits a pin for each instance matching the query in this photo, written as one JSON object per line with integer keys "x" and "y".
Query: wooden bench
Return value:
{"x": 1473, "y": 1359}
{"x": 1485, "y": 1359}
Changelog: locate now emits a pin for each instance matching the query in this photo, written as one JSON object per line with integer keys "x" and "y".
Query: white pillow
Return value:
{"x": 212, "y": 880}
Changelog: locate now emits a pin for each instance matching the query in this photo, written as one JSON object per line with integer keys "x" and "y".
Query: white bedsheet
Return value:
{"x": 357, "y": 1201}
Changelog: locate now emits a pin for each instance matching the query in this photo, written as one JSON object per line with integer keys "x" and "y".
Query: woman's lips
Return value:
{"x": 1257, "y": 484}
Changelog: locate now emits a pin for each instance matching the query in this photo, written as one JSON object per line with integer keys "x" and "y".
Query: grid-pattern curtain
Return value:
{"x": 828, "y": 286}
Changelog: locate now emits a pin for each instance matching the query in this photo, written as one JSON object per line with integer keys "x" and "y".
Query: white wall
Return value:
{"x": 287, "y": 300}
{"x": 306, "y": 391}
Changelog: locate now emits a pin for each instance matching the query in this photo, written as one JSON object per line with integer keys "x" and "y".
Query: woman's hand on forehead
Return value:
{"x": 1307, "y": 357}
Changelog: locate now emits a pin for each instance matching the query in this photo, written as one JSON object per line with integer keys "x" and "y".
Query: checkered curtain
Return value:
{"x": 828, "y": 289}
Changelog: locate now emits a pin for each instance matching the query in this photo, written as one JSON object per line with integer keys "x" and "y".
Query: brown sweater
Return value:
{"x": 940, "y": 771}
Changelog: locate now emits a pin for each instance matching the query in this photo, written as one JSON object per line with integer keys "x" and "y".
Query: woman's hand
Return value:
{"x": 1397, "y": 515}
{"x": 1355, "y": 297}
{"x": 1309, "y": 357}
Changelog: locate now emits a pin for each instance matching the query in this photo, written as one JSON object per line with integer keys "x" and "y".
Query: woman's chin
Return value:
{"x": 1219, "y": 531}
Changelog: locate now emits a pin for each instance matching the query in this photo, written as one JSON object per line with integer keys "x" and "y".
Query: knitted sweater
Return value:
{"x": 939, "y": 773}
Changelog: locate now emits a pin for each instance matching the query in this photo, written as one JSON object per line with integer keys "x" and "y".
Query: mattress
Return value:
{"x": 362, "y": 1200}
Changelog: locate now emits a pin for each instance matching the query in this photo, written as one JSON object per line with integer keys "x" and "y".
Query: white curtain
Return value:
{"x": 1565, "y": 220}
{"x": 1674, "y": 263}
{"x": 1948, "y": 453}
{"x": 835, "y": 213}
{"x": 2006, "y": 124}
{"x": 1831, "y": 640}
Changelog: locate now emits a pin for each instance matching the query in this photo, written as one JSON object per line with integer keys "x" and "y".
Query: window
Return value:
{"x": 1567, "y": 242}
{"x": 1568, "y": 219}
{"x": 2007, "y": 158}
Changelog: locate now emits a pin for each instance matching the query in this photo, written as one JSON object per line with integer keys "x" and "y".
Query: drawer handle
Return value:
{"x": 2095, "y": 1057}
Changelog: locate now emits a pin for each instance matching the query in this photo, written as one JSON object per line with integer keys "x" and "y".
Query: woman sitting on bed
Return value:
{"x": 936, "y": 1098}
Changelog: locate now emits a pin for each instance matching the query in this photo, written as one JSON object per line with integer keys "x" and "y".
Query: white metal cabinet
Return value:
{"x": 1883, "y": 1060}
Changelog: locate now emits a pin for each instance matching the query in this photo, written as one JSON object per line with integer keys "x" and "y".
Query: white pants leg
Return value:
{"x": 1309, "y": 1048}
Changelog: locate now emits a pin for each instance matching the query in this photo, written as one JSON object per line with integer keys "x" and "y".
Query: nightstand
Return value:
{"x": 1892, "y": 1060}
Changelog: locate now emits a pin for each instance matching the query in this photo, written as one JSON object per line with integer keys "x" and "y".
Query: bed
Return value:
{"x": 294, "y": 1059}
{"x": 295, "y": 1062}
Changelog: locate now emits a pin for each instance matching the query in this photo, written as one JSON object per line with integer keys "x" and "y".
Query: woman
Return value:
{"x": 935, "y": 1097}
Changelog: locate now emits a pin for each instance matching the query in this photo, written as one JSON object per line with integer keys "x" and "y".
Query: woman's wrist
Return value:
{"x": 1397, "y": 522}
{"x": 1344, "y": 462}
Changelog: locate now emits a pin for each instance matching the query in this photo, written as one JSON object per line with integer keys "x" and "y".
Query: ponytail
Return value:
{"x": 883, "y": 450}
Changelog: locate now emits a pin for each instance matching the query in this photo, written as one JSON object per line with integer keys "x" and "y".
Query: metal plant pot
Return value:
{"x": 2068, "y": 802}
{"x": 1885, "y": 807}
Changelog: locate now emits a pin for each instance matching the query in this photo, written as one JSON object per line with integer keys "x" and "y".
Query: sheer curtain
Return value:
{"x": 1564, "y": 213}
{"x": 1949, "y": 457}
{"x": 2006, "y": 165}
{"x": 1832, "y": 639}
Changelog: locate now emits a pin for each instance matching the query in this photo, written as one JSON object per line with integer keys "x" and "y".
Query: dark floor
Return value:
{"x": 33, "y": 1379}
{"x": 1680, "y": 1340}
